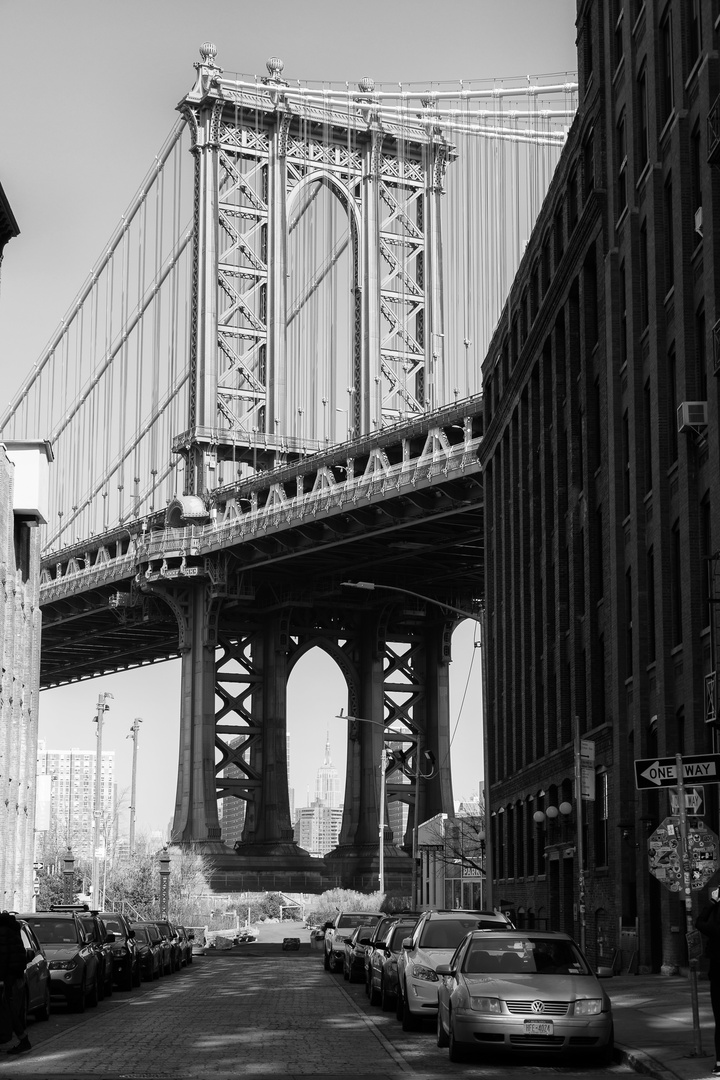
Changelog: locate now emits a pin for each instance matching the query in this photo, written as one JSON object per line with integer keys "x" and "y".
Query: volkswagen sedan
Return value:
{"x": 522, "y": 990}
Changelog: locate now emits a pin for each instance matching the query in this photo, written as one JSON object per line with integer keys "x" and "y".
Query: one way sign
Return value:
{"x": 662, "y": 772}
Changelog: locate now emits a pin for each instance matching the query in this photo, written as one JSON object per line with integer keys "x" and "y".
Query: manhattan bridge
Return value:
{"x": 268, "y": 388}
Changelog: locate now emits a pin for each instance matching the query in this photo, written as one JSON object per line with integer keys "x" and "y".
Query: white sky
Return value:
{"x": 89, "y": 95}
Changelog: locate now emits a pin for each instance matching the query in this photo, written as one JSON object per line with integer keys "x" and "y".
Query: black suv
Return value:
{"x": 126, "y": 959}
{"x": 73, "y": 962}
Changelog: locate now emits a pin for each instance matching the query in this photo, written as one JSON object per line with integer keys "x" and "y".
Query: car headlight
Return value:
{"x": 425, "y": 973}
{"x": 588, "y": 1007}
{"x": 63, "y": 965}
{"x": 485, "y": 1004}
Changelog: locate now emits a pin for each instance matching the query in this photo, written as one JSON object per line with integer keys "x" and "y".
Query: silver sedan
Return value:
{"x": 522, "y": 990}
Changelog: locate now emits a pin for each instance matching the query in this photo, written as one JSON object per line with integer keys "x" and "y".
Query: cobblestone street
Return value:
{"x": 247, "y": 1015}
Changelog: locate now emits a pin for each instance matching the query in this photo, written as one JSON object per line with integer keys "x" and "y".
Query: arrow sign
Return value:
{"x": 662, "y": 772}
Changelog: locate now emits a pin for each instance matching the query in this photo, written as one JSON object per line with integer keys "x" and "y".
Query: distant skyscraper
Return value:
{"x": 232, "y": 810}
{"x": 70, "y": 786}
{"x": 327, "y": 784}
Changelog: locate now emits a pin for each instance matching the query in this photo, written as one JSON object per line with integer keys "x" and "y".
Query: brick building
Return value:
{"x": 602, "y": 488}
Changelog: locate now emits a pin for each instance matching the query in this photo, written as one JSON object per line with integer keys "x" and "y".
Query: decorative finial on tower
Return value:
{"x": 208, "y": 52}
{"x": 275, "y": 67}
{"x": 366, "y": 85}
{"x": 208, "y": 71}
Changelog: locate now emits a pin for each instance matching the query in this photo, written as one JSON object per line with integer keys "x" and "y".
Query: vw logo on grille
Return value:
{"x": 538, "y": 1006}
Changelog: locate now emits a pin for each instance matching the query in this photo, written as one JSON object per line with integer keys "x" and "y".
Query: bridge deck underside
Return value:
{"x": 428, "y": 540}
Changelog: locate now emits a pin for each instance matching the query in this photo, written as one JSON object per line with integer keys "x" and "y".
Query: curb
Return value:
{"x": 643, "y": 1063}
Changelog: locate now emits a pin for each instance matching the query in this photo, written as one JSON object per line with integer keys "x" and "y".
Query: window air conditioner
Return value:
{"x": 692, "y": 415}
{"x": 699, "y": 221}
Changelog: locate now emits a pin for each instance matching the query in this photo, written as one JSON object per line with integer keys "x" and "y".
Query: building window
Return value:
{"x": 696, "y": 184}
{"x": 621, "y": 150}
{"x": 647, "y": 436}
{"x": 666, "y": 74}
{"x": 676, "y": 585}
{"x": 643, "y": 120}
{"x": 617, "y": 17}
{"x": 602, "y": 813}
{"x": 644, "y": 278}
{"x": 669, "y": 235}
{"x": 651, "y": 639}
{"x": 694, "y": 31}
{"x": 628, "y": 624}
{"x": 672, "y": 404}
{"x": 700, "y": 354}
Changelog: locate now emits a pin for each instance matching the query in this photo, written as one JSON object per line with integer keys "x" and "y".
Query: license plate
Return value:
{"x": 538, "y": 1027}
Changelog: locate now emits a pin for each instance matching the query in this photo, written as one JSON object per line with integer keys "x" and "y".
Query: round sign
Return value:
{"x": 664, "y": 854}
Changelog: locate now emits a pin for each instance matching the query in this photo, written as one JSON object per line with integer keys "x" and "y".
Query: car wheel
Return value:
{"x": 100, "y": 981}
{"x": 43, "y": 1013}
{"x": 386, "y": 998}
{"x": 442, "y": 1039}
{"x": 398, "y": 1004}
{"x": 456, "y": 1050}
{"x": 93, "y": 995}
{"x": 326, "y": 960}
{"x": 77, "y": 1001}
{"x": 375, "y": 994}
{"x": 109, "y": 988}
{"x": 137, "y": 975}
{"x": 127, "y": 982}
{"x": 346, "y": 973}
{"x": 332, "y": 963}
{"x": 409, "y": 1023}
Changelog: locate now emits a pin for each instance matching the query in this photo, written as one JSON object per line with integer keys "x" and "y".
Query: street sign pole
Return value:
{"x": 685, "y": 866}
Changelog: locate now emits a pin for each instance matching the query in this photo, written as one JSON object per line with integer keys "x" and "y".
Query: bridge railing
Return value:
{"x": 98, "y": 565}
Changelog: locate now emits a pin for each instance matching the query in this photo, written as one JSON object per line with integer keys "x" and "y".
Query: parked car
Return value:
{"x": 101, "y": 939}
{"x": 37, "y": 974}
{"x": 198, "y": 939}
{"x": 73, "y": 962}
{"x": 338, "y": 930}
{"x": 150, "y": 950}
{"x": 434, "y": 940}
{"x": 354, "y": 954}
{"x": 382, "y": 981}
{"x": 126, "y": 961}
{"x": 186, "y": 943}
{"x": 167, "y": 964}
{"x": 378, "y": 937}
{"x": 167, "y": 930}
{"x": 520, "y": 991}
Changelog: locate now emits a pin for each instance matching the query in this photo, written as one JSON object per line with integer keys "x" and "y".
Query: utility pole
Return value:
{"x": 134, "y": 730}
{"x": 102, "y": 708}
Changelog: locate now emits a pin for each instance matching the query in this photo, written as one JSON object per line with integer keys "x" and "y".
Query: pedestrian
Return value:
{"x": 13, "y": 961}
{"x": 708, "y": 923}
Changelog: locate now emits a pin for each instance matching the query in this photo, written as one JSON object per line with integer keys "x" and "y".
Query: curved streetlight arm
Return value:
{"x": 370, "y": 586}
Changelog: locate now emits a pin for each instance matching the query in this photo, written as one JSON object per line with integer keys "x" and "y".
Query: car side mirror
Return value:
{"x": 131, "y": 933}
{"x": 604, "y": 973}
{"x": 407, "y": 943}
{"x": 444, "y": 969}
{"x": 29, "y": 954}
{"x": 109, "y": 937}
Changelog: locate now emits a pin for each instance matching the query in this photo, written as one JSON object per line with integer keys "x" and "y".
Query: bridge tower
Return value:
{"x": 265, "y": 155}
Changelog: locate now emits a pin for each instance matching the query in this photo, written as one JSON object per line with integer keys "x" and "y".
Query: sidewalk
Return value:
{"x": 654, "y": 1028}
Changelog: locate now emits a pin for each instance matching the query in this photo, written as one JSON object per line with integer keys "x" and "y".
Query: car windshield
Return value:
{"x": 141, "y": 934}
{"x": 347, "y": 921}
{"x": 55, "y": 931}
{"x": 524, "y": 955}
{"x": 89, "y": 928}
{"x": 447, "y": 933}
{"x": 115, "y": 926}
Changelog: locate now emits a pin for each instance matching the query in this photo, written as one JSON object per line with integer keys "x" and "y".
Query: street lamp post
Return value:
{"x": 164, "y": 861}
{"x": 134, "y": 731}
{"x": 383, "y": 782}
{"x": 371, "y": 586}
{"x": 68, "y": 874}
{"x": 102, "y": 708}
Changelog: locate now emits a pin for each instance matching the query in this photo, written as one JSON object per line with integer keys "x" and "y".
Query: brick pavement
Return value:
{"x": 291, "y": 1020}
